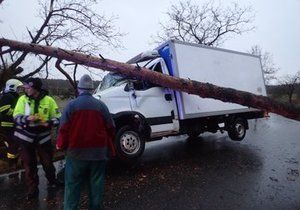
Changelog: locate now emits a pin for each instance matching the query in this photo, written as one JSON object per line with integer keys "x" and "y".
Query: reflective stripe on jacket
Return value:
{"x": 7, "y": 104}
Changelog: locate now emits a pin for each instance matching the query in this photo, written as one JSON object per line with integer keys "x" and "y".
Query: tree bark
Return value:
{"x": 204, "y": 90}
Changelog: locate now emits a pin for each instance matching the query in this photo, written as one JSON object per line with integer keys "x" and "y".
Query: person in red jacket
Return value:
{"x": 86, "y": 134}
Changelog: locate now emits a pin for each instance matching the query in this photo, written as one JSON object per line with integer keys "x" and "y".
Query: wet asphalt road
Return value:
{"x": 210, "y": 172}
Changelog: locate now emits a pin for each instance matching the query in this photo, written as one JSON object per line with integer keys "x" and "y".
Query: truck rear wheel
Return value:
{"x": 129, "y": 143}
{"x": 237, "y": 129}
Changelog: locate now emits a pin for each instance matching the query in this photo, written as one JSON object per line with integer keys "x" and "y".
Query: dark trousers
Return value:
{"x": 10, "y": 142}
{"x": 29, "y": 158}
{"x": 78, "y": 173}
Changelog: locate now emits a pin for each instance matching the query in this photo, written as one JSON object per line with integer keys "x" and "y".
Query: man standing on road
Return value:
{"x": 8, "y": 102}
{"x": 35, "y": 114}
{"x": 86, "y": 133}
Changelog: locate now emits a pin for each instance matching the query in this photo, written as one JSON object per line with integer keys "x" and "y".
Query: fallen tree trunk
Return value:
{"x": 204, "y": 90}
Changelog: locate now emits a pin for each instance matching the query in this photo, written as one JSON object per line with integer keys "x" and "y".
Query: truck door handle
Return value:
{"x": 168, "y": 97}
{"x": 134, "y": 95}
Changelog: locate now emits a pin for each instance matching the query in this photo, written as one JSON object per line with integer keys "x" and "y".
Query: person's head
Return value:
{"x": 33, "y": 86}
{"x": 13, "y": 85}
{"x": 85, "y": 84}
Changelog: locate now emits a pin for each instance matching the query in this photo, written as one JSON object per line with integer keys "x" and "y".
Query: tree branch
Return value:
{"x": 57, "y": 65}
{"x": 74, "y": 79}
{"x": 2, "y": 59}
{"x": 37, "y": 70}
{"x": 35, "y": 38}
{"x": 207, "y": 25}
{"x": 204, "y": 90}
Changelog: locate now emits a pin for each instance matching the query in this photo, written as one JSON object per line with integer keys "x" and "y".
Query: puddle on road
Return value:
{"x": 13, "y": 191}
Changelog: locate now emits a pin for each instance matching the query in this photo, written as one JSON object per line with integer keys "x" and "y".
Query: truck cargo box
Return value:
{"x": 217, "y": 66}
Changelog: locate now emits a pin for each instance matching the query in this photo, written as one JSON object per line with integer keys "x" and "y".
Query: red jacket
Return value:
{"x": 87, "y": 129}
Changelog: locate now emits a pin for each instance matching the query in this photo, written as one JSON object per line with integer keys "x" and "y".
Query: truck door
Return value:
{"x": 156, "y": 103}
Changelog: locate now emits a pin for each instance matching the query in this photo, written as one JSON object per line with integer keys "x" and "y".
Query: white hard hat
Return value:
{"x": 12, "y": 85}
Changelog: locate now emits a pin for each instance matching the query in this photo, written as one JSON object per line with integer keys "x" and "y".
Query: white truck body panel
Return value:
{"x": 220, "y": 67}
{"x": 115, "y": 98}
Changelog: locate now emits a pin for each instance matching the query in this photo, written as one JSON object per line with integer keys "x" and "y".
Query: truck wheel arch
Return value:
{"x": 132, "y": 131}
{"x": 134, "y": 119}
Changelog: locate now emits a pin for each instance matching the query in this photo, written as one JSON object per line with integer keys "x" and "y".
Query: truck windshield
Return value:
{"x": 111, "y": 80}
{"x": 114, "y": 79}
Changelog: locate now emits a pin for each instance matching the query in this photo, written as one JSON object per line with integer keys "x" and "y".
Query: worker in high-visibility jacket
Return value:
{"x": 8, "y": 101}
{"x": 35, "y": 114}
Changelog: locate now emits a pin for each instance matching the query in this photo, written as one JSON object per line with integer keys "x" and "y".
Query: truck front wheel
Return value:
{"x": 129, "y": 144}
{"x": 237, "y": 129}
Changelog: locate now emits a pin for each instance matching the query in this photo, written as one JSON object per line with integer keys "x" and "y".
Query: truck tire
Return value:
{"x": 237, "y": 129}
{"x": 129, "y": 144}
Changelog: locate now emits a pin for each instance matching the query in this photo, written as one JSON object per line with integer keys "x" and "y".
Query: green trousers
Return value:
{"x": 78, "y": 173}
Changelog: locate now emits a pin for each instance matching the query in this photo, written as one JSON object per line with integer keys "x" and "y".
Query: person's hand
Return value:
{"x": 32, "y": 118}
{"x": 45, "y": 124}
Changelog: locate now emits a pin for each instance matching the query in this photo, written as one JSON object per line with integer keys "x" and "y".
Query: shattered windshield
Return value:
{"x": 111, "y": 80}
{"x": 114, "y": 79}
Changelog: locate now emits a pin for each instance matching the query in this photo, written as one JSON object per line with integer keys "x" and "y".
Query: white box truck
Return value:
{"x": 144, "y": 112}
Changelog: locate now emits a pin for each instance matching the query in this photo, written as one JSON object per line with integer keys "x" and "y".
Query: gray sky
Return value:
{"x": 277, "y": 27}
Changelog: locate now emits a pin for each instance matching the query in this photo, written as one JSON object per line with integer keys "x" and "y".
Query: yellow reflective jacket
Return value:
{"x": 48, "y": 116}
{"x": 46, "y": 107}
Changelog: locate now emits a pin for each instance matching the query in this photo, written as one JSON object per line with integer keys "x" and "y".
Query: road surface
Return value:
{"x": 210, "y": 172}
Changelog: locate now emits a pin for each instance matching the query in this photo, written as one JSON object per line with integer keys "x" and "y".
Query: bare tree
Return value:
{"x": 289, "y": 82}
{"x": 268, "y": 66}
{"x": 65, "y": 23}
{"x": 208, "y": 24}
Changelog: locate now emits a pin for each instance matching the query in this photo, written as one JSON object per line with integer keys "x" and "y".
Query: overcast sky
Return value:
{"x": 277, "y": 25}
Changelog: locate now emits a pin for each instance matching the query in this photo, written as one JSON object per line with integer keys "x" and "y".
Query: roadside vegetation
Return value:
{"x": 281, "y": 93}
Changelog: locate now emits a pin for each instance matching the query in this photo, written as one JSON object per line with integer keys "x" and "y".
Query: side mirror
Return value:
{"x": 129, "y": 86}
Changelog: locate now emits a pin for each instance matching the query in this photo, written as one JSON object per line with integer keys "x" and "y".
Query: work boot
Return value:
{"x": 33, "y": 193}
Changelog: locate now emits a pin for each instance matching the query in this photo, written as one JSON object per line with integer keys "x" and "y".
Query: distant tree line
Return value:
{"x": 61, "y": 88}
{"x": 285, "y": 93}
